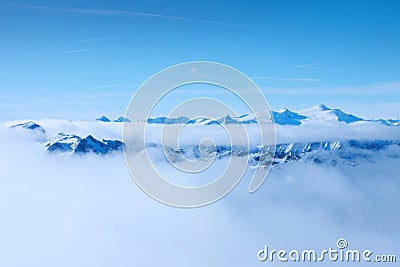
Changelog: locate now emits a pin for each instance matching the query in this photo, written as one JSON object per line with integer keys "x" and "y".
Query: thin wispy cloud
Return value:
{"x": 112, "y": 12}
{"x": 379, "y": 88}
{"x": 317, "y": 66}
{"x": 106, "y": 86}
{"x": 375, "y": 89}
{"x": 57, "y": 103}
{"x": 286, "y": 79}
{"x": 8, "y": 105}
{"x": 90, "y": 40}
{"x": 74, "y": 51}
{"x": 305, "y": 66}
{"x": 105, "y": 95}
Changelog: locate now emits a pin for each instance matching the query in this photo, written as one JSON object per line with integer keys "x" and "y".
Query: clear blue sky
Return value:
{"x": 82, "y": 59}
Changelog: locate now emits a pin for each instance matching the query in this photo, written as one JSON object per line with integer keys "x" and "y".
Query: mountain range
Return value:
{"x": 120, "y": 119}
{"x": 75, "y": 144}
{"x": 351, "y": 151}
{"x": 317, "y": 114}
{"x": 348, "y": 152}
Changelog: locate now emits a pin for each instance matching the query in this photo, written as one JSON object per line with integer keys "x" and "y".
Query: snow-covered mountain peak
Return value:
{"x": 323, "y": 107}
{"x": 70, "y": 143}
{"x": 345, "y": 117}
{"x": 320, "y": 114}
{"x": 122, "y": 119}
{"x": 287, "y": 117}
{"x": 315, "y": 109}
{"x": 228, "y": 120}
{"x": 323, "y": 114}
{"x": 30, "y": 125}
{"x": 103, "y": 119}
{"x": 106, "y": 119}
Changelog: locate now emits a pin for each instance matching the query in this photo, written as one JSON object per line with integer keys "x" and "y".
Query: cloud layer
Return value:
{"x": 86, "y": 210}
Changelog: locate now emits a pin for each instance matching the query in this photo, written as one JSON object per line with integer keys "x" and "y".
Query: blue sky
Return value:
{"x": 82, "y": 59}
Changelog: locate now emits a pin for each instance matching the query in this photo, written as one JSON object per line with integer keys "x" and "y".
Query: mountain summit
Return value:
{"x": 30, "y": 125}
{"x": 103, "y": 119}
{"x": 287, "y": 117}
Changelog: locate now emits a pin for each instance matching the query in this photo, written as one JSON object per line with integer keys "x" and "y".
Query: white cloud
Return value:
{"x": 86, "y": 210}
{"x": 317, "y": 66}
{"x": 91, "y": 40}
{"x": 287, "y": 79}
{"x": 74, "y": 51}
{"x": 192, "y": 134}
{"x": 106, "y": 86}
{"x": 302, "y": 66}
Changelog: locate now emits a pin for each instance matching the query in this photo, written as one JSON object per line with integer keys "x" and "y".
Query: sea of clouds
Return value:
{"x": 364, "y": 130}
{"x": 86, "y": 210}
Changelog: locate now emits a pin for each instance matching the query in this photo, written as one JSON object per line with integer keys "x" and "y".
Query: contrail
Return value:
{"x": 111, "y": 12}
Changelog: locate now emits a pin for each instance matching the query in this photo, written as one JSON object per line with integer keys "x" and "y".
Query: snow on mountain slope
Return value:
{"x": 287, "y": 117}
{"x": 30, "y": 125}
{"x": 345, "y": 117}
{"x": 103, "y": 119}
{"x": 99, "y": 130}
{"x": 122, "y": 119}
{"x": 350, "y": 152}
{"x": 323, "y": 114}
{"x": 318, "y": 114}
{"x": 315, "y": 125}
{"x": 30, "y": 130}
{"x": 65, "y": 143}
{"x": 388, "y": 122}
{"x": 165, "y": 120}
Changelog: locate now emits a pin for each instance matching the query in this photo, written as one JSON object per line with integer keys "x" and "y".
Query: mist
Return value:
{"x": 87, "y": 211}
